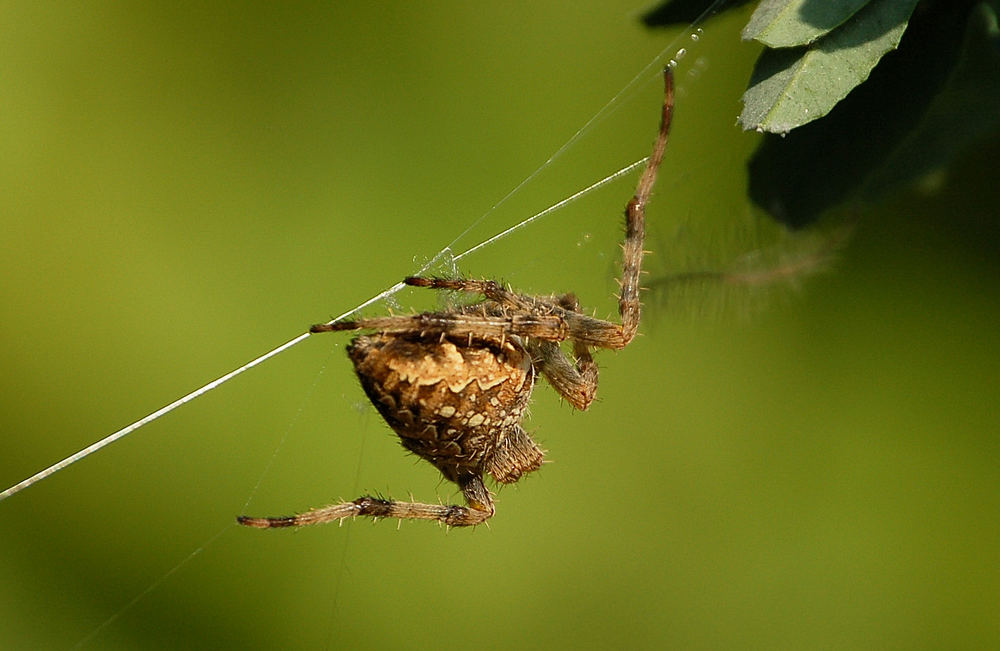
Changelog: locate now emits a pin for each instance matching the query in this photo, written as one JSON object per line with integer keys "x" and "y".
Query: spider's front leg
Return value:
{"x": 490, "y": 289}
{"x": 550, "y": 327}
{"x": 635, "y": 225}
{"x": 480, "y": 508}
{"x": 586, "y": 331}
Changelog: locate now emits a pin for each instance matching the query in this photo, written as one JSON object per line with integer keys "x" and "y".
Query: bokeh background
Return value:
{"x": 187, "y": 186}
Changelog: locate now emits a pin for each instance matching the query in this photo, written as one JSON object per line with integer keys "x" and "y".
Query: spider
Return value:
{"x": 454, "y": 384}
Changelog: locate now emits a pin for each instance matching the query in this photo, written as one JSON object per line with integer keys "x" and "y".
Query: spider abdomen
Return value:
{"x": 451, "y": 403}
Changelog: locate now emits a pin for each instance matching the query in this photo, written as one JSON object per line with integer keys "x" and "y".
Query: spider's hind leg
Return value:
{"x": 480, "y": 508}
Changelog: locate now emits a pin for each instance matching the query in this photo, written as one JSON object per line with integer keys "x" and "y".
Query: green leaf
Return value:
{"x": 791, "y": 87}
{"x": 787, "y": 23}
{"x": 934, "y": 97}
{"x": 966, "y": 110}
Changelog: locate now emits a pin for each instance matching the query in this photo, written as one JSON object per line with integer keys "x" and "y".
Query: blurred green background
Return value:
{"x": 186, "y": 187}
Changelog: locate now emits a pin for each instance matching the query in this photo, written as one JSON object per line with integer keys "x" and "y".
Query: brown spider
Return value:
{"x": 454, "y": 384}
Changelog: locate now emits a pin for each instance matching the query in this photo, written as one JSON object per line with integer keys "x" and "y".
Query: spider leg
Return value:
{"x": 576, "y": 382}
{"x": 491, "y": 289}
{"x": 480, "y": 508}
{"x": 460, "y": 324}
{"x": 589, "y": 331}
{"x": 635, "y": 227}
{"x": 516, "y": 455}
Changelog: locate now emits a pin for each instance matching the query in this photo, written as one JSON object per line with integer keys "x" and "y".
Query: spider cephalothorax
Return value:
{"x": 454, "y": 384}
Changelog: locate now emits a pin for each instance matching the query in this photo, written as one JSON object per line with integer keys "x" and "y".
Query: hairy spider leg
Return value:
{"x": 635, "y": 226}
{"x": 474, "y": 490}
{"x": 574, "y": 381}
{"x": 459, "y": 324}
